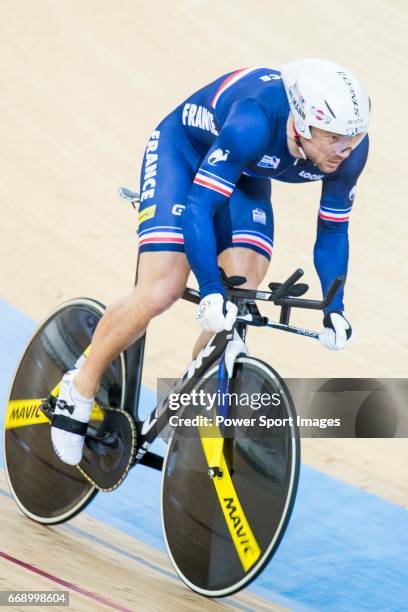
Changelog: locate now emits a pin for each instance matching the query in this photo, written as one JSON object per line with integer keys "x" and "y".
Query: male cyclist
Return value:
{"x": 206, "y": 201}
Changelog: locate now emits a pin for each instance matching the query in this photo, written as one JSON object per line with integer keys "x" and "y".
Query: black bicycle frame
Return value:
{"x": 286, "y": 295}
{"x": 158, "y": 419}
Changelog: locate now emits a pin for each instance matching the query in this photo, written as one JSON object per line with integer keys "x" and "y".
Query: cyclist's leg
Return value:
{"x": 241, "y": 261}
{"x": 166, "y": 178}
{"x": 162, "y": 277}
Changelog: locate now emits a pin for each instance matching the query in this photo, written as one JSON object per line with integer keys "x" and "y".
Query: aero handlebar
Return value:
{"x": 280, "y": 295}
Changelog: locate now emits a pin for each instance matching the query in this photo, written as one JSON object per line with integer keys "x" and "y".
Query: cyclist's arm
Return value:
{"x": 242, "y": 139}
{"x": 331, "y": 250}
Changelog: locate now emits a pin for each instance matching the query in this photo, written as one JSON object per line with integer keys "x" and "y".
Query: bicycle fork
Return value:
{"x": 218, "y": 449}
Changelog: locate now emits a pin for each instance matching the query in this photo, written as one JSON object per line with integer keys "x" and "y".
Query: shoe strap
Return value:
{"x": 69, "y": 424}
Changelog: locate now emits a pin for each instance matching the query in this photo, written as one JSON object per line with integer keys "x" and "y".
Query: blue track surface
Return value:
{"x": 344, "y": 549}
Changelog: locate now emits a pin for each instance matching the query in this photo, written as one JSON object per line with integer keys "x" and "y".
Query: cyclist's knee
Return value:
{"x": 159, "y": 295}
{"x": 245, "y": 262}
{"x": 162, "y": 278}
{"x": 162, "y": 295}
{"x": 254, "y": 278}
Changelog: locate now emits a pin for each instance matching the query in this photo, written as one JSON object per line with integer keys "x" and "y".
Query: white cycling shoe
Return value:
{"x": 72, "y": 414}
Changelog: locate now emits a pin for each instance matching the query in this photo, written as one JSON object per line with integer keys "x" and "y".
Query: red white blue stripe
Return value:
{"x": 253, "y": 239}
{"x": 338, "y": 215}
{"x": 161, "y": 235}
{"x": 230, "y": 80}
{"x": 215, "y": 183}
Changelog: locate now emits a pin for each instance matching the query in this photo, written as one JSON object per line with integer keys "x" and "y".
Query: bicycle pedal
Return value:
{"x": 109, "y": 454}
{"x": 48, "y": 407}
{"x": 101, "y": 446}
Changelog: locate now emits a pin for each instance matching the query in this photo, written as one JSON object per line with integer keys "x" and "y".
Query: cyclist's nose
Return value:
{"x": 343, "y": 152}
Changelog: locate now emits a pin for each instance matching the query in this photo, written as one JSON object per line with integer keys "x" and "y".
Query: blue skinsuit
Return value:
{"x": 205, "y": 182}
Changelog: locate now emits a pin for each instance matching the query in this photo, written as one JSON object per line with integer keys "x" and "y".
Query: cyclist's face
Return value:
{"x": 328, "y": 150}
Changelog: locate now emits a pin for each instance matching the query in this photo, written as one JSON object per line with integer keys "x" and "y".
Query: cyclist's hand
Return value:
{"x": 337, "y": 331}
{"x": 211, "y": 311}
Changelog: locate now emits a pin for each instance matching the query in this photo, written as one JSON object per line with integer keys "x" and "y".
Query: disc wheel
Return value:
{"x": 221, "y": 532}
{"x": 46, "y": 489}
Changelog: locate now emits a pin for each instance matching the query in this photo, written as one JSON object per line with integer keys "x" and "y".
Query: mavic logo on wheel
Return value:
{"x": 248, "y": 547}
{"x": 242, "y": 536}
{"x": 21, "y": 413}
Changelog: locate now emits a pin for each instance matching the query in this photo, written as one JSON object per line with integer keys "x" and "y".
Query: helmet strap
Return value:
{"x": 297, "y": 141}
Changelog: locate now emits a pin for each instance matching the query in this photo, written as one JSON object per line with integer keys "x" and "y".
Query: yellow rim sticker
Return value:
{"x": 241, "y": 533}
{"x": 21, "y": 413}
{"x": 24, "y": 412}
{"x": 147, "y": 213}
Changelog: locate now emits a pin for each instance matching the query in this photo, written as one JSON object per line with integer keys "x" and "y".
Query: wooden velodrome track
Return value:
{"x": 82, "y": 85}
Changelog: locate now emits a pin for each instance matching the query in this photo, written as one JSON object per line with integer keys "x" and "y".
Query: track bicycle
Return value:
{"x": 228, "y": 483}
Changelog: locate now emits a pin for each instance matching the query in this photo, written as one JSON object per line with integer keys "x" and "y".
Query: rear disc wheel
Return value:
{"x": 46, "y": 489}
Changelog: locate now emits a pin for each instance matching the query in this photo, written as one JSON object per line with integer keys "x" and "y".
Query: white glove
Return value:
{"x": 337, "y": 331}
{"x": 210, "y": 314}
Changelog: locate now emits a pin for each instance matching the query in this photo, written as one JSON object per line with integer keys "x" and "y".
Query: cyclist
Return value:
{"x": 206, "y": 194}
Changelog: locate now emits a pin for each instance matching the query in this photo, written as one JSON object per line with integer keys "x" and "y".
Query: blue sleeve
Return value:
{"x": 241, "y": 140}
{"x": 331, "y": 250}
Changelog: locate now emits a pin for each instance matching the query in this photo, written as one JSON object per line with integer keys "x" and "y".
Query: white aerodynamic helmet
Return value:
{"x": 327, "y": 96}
